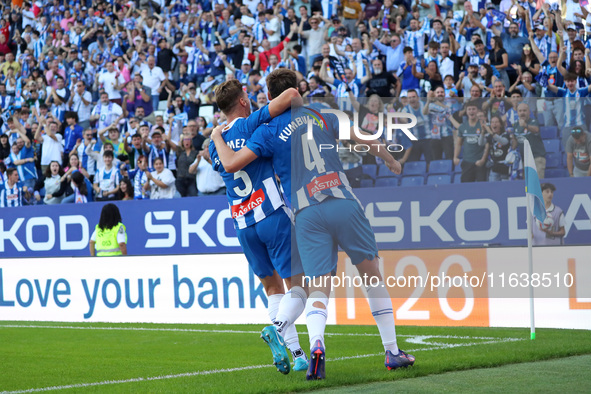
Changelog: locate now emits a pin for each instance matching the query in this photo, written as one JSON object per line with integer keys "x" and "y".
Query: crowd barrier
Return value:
{"x": 425, "y": 217}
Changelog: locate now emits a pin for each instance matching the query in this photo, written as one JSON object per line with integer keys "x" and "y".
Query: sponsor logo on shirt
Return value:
{"x": 323, "y": 182}
{"x": 256, "y": 200}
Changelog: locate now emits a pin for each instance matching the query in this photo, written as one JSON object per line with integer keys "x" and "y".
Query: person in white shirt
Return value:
{"x": 155, "y": 79}
{"x": 162, "y": 181}
{"x": 112, "y": 82}
{"x": 52, "y": 142}
{"x": 106, "y": 113}
{"x": 209, "y": 181}
{"x": 272, "y": 28}
{"x": 81, "y": 103}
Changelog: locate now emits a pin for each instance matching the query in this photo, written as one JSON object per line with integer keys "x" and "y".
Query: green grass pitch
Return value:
{"x": 78, "y": 357}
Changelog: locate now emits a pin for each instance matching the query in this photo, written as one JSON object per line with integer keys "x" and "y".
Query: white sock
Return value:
{"x": 380, "y": 304}
{"x": 291, "y": 307}
{"x": 273, "y": 305}
{"x": 316, "y": 317}
{"x": 292, "y": 341}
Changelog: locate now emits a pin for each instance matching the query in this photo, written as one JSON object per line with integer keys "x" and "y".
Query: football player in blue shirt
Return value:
{"x": 262, "y": 220}
{"x": 328, "y": 214}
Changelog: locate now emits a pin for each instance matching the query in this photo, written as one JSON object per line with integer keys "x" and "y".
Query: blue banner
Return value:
{"x": 445, "y": 216}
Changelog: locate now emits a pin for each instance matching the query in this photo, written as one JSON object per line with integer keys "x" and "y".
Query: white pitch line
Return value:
{"x": 238, "y": 369}
{"x": 226, "y": 331}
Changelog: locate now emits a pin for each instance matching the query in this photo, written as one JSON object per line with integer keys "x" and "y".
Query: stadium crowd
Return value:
{"x": 105, "y": 100}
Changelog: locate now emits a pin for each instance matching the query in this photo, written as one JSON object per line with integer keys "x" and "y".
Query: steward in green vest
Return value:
{"x": 109, "y": 237}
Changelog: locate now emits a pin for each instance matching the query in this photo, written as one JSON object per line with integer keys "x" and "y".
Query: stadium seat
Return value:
{"x": 412, "y": 181}
{"x": 553, "y": 160}
{"x": 370, "y": 170}
{"x": 440, "y": 167}
{"x": 541, "y": 120}
{"x": 439, "y": 179}
{"x": 548, "y": 132}
{"x": 556, "y": 173}
{"x": 383, "y": 171}
{"x": 457, "y": 177}
{"x": 415, "y": 168}
{"x": 387, "y": 182}
{"x": 367, "y": 183}
{"x": 552, "y": 145}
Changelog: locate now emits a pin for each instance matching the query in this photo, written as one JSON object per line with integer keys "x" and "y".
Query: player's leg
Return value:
{"x": 360, "y": 245}
{"x": 318, "y": 251}
{"x": 260, "y": 262}
{"x": 275, "y": 232}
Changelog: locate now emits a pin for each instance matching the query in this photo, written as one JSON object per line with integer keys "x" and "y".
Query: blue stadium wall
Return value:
{"x": 444, "y": 216}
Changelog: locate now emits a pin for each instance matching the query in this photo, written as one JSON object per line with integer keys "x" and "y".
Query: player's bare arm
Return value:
{"x": 283, "y": 102}
{"x": 231, "y": 160}
{"x": 379, "y": 150}
{"x": 235, "y": 161}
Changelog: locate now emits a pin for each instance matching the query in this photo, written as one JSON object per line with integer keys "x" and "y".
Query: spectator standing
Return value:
{"x": 51, "y": 142}
{"x": 528, "y": 127}
{"x": 209, "y": 181}
{"x": 162, "y": 182}
{"x": 72, "y": 133}
{"x": 112, "y": 82}
{"x": 185, "y": 182}
{"x": 154, "y": 78}
{"x": 578, "y": 153}
{"x": 352, "y": 15}
{"x": 81, "y": 103}
{"x": 500, "y": 141}
{"x": 106, "y": 113}
{"x": 474, "y": 161}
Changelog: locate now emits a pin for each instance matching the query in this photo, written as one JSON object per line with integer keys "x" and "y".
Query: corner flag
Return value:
{"x": 532, "y": 183}
{"x": 533, "y": 192}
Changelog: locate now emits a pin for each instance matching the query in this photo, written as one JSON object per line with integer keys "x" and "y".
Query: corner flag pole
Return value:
{"x": 530, "y": 262}
{"x": 533, "y": 194}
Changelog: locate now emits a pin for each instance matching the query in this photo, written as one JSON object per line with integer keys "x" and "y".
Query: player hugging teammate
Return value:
{"x": 325, "y": 218}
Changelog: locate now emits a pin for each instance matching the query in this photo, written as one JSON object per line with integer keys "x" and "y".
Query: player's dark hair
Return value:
{"x": 108, "y": 153}
{"x": 407, "y": 49}
{"x": 280, "y": 80}
{"x": 548, "y": 186}
{"x": 110, "y": 217}
{"x": 478, "y": 42}
{"x": 227, "y": 95}
{"x": 297, "y": 48}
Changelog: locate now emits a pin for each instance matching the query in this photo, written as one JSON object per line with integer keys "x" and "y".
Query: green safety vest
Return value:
{"x": 106, "y": 240}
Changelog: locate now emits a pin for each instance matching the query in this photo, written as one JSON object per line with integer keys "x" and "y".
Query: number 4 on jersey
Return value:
{"x": 312, "y": 158}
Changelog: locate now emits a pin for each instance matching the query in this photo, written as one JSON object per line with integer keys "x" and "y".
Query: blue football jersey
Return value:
{"x": 252, "y": 192}
{"x": 272, "y": 141}
{"x": 309, "y": 169}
